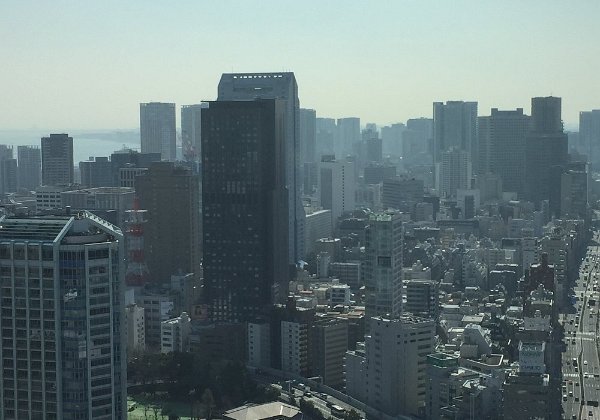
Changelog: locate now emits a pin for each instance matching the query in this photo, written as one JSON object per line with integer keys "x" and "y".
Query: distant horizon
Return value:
{"x": 568, "y": 127}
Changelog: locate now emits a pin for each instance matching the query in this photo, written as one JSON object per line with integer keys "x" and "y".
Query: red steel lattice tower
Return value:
{"x": 137, "y": 271}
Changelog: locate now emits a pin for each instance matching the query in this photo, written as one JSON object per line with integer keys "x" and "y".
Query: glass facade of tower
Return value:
{"x": 244, "y": 208}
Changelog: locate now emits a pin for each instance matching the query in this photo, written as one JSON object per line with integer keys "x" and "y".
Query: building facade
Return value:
{"x": 191, "y": 131}
{"x": 244, "y": 208}
{"x": 30, "y": 167}
{"x": 390, "y": 375}
{"x": 546, "y": 151}
{"x": 57, "y": 160}
{"x": 337, "y": 187}
{"x": 383, "y": 265}
{"x": 157, "y": 129}
{"x": 171, "y": 195}
{"x": 454, "y": 172}
{"x": 455, "y": 126}
{"x": 502, "y": 147}
{"x": 63, "y": 341}
{"x": 250, "y": 86}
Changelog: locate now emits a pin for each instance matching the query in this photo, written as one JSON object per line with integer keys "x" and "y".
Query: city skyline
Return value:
{"x": 81, "y": 76}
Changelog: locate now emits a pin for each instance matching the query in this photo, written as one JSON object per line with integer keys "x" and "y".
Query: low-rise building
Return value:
{"x": 175, "y": 333}
{"x": 136, "y": 329}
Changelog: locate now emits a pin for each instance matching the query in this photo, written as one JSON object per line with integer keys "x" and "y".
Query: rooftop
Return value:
{"x": 263, "y": 411}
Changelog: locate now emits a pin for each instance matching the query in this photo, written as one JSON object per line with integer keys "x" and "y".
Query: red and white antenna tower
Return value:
{"x": 137, "y": 271}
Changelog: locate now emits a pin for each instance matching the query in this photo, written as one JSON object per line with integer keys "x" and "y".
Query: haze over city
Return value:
{"x": 299, "y": 210}
{"x": 85, "y": 65}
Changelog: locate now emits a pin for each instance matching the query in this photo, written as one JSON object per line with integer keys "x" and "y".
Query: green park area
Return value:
{"x": 183, "y": 386}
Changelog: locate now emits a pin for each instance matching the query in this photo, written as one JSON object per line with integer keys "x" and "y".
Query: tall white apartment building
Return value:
{"x": 63, "y": 336}
{"x": 294, "y": 347}
{"x": 136, "y": 328}
{"x": 259, "y": 344}
{"x": 337, "y": 187}
{"x": 383, "y": 265}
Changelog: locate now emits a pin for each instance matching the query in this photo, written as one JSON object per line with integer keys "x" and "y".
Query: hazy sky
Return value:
{"x": 88, "y": 64}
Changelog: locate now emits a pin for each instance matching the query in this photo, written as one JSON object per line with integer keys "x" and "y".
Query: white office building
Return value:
{"x": 318, "y": 224}
{"x": 294, "y": 347}
{"x": 337, "y": 186}
{"x": 175, "y": 334}
{"x": 136, "y": 329}
{"x": 157, "y": 129}
{"x": 393, "y": 368}
{"x": 383, "y": 265}
{"x": 259, "y": 344}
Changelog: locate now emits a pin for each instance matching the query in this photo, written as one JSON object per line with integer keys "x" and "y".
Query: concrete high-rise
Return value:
{"x": 455, "y": 126}
{"x": 502, "y": 147}
{"x": 348, "y": 137}
{"x": 417, "y": 138}
{"x": 326, "y": 134}
{"x": 132, "y": 161}
{"x": 308, "y": 135}
{"x": 251, "y": 86}
{"x": 308, "y": 148}
{"x": 574, "y": 192}
{"x": 589, "y": 134}
{"x": 62, "y": 312}
{"x": 391, "y": 375}
{"x": 244, "y": 207}
{"x": 454, "y": 172}
{"x": 8, "y": 170}
{"x": 172, "y": 243}
{"x": 422, "y": 298}
{"x": 191, "y": 130}
{"x": 157, "y": 129}
{"x": 30, "y": 167}
{"x": 57, "y": 160}
{"x": 391, "y": 139}
{"x": 546, "y": 150}
{"x": 383, "y": 265}
{"x": 336, "y": 186}
{"x": 96, "y": 172}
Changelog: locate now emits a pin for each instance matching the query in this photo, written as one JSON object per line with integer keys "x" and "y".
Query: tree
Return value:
{"x": 308, "y": 408}
{"x": 209, "y": 402}
{"x": 351, "y": 415}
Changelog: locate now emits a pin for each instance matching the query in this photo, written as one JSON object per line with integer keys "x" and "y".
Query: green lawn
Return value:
{"x": 140, "y": 408}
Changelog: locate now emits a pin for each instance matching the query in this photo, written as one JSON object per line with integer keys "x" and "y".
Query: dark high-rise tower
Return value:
{"x": 546, "y": 151}
{"x": 172, "y": 235}
{"x": 157, "y": 129}
{"x": 30, "y": 167}
{"x": 545, "y": 115}
{"x": 244, "y": 206}
{"x": 455, "y": 125}
{"x": 502, "y": 147}
{"x": 250, "y": 86}
{"x": 57, "y": 160}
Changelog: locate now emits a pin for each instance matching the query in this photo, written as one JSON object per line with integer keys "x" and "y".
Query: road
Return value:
{"x": 297, "y": 390}
{"x": 580, "y": 387}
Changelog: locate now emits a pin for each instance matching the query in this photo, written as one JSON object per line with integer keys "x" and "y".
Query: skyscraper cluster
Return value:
{"x": 420, "y": 267}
